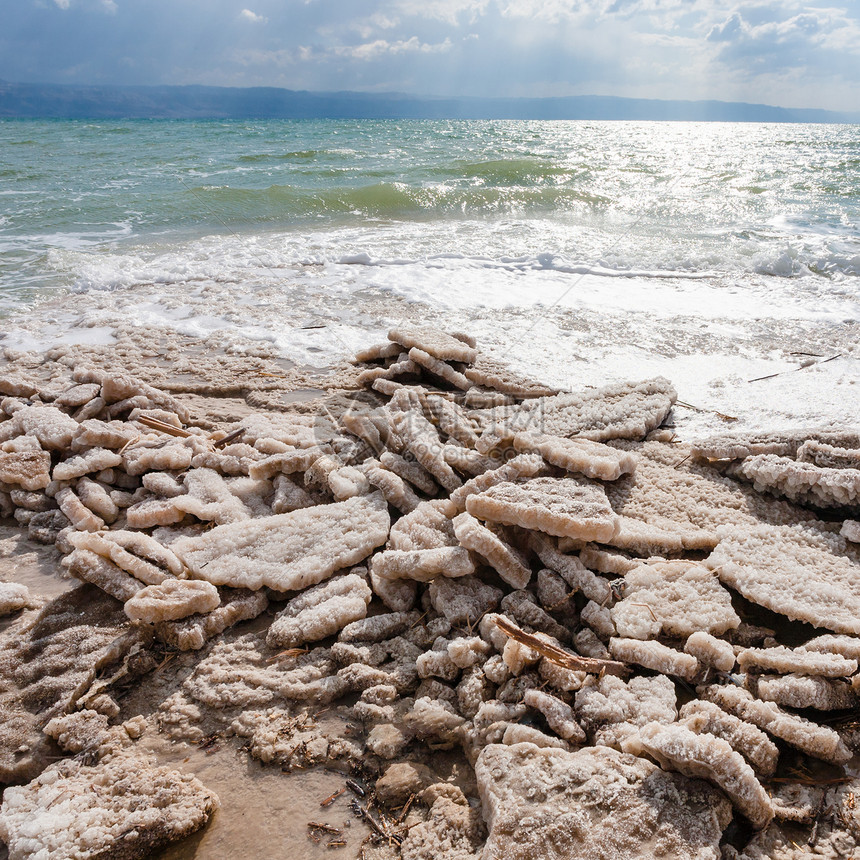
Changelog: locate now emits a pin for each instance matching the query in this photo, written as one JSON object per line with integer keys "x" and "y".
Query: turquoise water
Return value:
{"x": 108, "y": 205}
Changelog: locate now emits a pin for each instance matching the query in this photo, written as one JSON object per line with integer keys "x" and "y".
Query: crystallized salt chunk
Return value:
{"x": 799, "y": 571}
{"x": 94, "y": 496}
{"x": 434, "y": 341}
{"x": 27, "y": 469}
{"x": 468, "y": 651}
{"x": 139, "y": 568}
{"x": 153, "y": 512}
{"x": 52, "y": 427}
{"x": 209, "y": 498}
{"x": 508, "y": 561}
{"x": 396, "y": 491}
{"x": 735, "y": 447}
{"x": 123, "y": 807}
{"x": 427, "y": 527}
{"x": 14, "y": 596}
{"x": 523, "y": 466}
{"x": 851, "y": 531}
{"x": 161, "y": 456}
{"x": 611, "y": 709}
{"x": 676, "y": 598}
{"x": 378, "y": 627}
{"x": 147, "y": 547}
{"x": 708, "y": 757}
{"x": 94, "y": 433}
{"x": 431, "y": 719}
{"x": 559, "y": 715}
{"x": 171, "y": 600}
{"x": 847, "y": 646}
{"x": 439, "y": 368}
{"x": 751, "y": 742}
{"x": 287, "y": 462}
{"x": 710, "y": 651}
{"x": 656, "y": 656}
{"x": 463, "y": 600}
{"x": 803, "y": 691}
{"x": 660, "y": 537}
{"x": 399, "y": 595}
{"x": 410, "y": 471}
{"x": 451, "y": 420}
{"x": 801, "y": 482}
{"x": 571, "y": 569}
{"x": 93, "y": 460}
{"x": 594, "y": 803}
{"x": 817, "y": 741}
{"x": 521, "y": 605}
{"x": 80, "y": 516}
{"x": 320, "y": 611}
{"x": 423, "y": 443}
{"x": 101, "y": 572}
{"x": 556, "y": 506}
{"x": 192, "y": 633}
{"x": 437, "y": 664}
{"x": 288, "y": 551}
{"x": 828, "y": 456}
{"x": 467, "y": 461}
{"x": 422, "y": 565}
{"x": 784, "y": 660}
{"x": 494, "y": 374}
{"x": 592, "y": 459}
{"x": 621, "y": 411}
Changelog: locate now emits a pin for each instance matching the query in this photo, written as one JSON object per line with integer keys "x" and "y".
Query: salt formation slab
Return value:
{"x": 157, "y": 456}
{"x": 801, "y": 482}
{"x": 494, "y": 374}
{"x": 410, "y": 471}
{"x": 558, "y": 506}
{"x": 828, "y": 456}
{"x": 171, "y": 600}
{"x": 423, "y": 442}
{"x": 93, "y": 460}
{"x": 100, "y": 571}
{"x": 27, "y": 469}
{"x": 451, "y": 419}
{"x": 708, "y": 757}
{"x": 396, "y": 491}
{"x": 95, "y": 496}
{"x": 463, "y": 600}
{"x": 145, "y": 546}
{"x": 784, "y": 660}
{"x": 846, "y": 646}
{"x": 122, "y": 807}
{"x": 14, "y": 597}
{"x": 427, "y": 527}
{"x": 622, "y": 411}
{"x": 677, "y": 598}
{"x": 851, "y": 531}
{"x": 53, "y": 429}
{"x": 752, "y": 743}
{"x": 433, "y": 341}
{"x": 46, "y": 666}
{"x": 571, "y": 569}
{"x": 194, "y": 632}
{"x": 439, "y": 368}
{"x": 558, "y": 714}
{"x": 523, "y": 466}
{"x": 109, "y": 549}
{"x": 798, "y": 571}
{"x": 320, "y": 611}
{"x": 509, "y": 562}
{"x": 803, "y": 691}
{"x": 817, "y": 741}
{"x": 422, "y": 565}
{"x": 592, "y": 459}
{"x": 710, "y": 651}
{"x": 290, "y": 551}
{"x": 656, "y": 656}
{"x": 732, "y": 446}
{"x": 80, "y": 516}
{"x": 611, "y": 710}
{"x": 554, "y": 804}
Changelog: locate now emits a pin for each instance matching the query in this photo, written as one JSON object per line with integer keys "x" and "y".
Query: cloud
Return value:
{"x": 62, "y": 4}
{"x": 248, "y": 15}
{"x": 381, "y": 47}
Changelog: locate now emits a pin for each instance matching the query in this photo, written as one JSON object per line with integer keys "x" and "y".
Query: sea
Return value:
{"x": 715, "y": 252}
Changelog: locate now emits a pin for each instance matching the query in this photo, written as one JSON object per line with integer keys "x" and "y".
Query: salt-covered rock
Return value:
{"x": 171, "y": 600}
{"x": 656, "y": 656}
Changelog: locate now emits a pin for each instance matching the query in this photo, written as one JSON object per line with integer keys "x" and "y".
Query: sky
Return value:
{"x": 786, "y": 53}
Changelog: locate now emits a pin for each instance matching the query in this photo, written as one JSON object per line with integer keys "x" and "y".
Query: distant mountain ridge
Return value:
{"x": 60, "y": 101}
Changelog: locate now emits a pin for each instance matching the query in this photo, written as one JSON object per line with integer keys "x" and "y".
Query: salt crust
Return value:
{"x": 124, "y": 806}
{"x": 782, "y": 660}
{"x": 192, "y": 633}
{"x": 409, "y": 471}
{"x": 209, "y": 498}
{"x": 101, "y": 545}
{"x": 494, "y": 374}
{"x": 817, "y": 741}
{"x": 145, "y": 546}
{"x": 53, "y": 429}
{"x": 95, "y": 496}
{"x": 710, "y": 651}
{"x": 423, "y": 442}
{"x": 171, "y": 600}
{"x": 610, "y": 709}
{"x": 599, "y": 619}
{"x": 511, "y": 565}
{"x": 102, "y": 572}
{"x": 422, "y": 565}
{"x": 557, "y": 506}
{"x": 439, "y": 368}
{"x": 93, "y": 460}
{"x": 656, "y": 656}
{"x": 522, "y": 607}
{"x": 157, "y": 455}
{"x": 47, "y": 664}
{"x": 851, "y": 531}
{"x": 463, "y": 600}
{"x": 801, "y": 482}
{"x": 558, "y": 714}
{"x": 571, "y": 569}
{"x": 847, "y": 646}
{"x": 320, "y": 611}
{"x": 290, "y": 551}
{"x": 799, "y": 571}
{"x": 730, "y": 446}
{"x": 675, "y": 747}
{"x": 78, "y": 514}
{"x": 396, "y": 491}
{"x": 592, "y": 459}
{"x": 803, "y": 691}
{"x": 676, "y": 598}
{"x": 27, "y": 469}
{"x": 434, "y": 341}
{"x": 752, "y": 743}
{"x": 451, "y": 419}
{"x": 595, "y": 802}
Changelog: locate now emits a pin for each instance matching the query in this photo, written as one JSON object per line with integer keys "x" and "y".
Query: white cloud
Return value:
{"x": 449, "y": 11}
{"x": 382, "y": 47}
{"x": 62, "y": 4}
{"x": 109, "y": 6}
{"x": 248, "y": 15}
